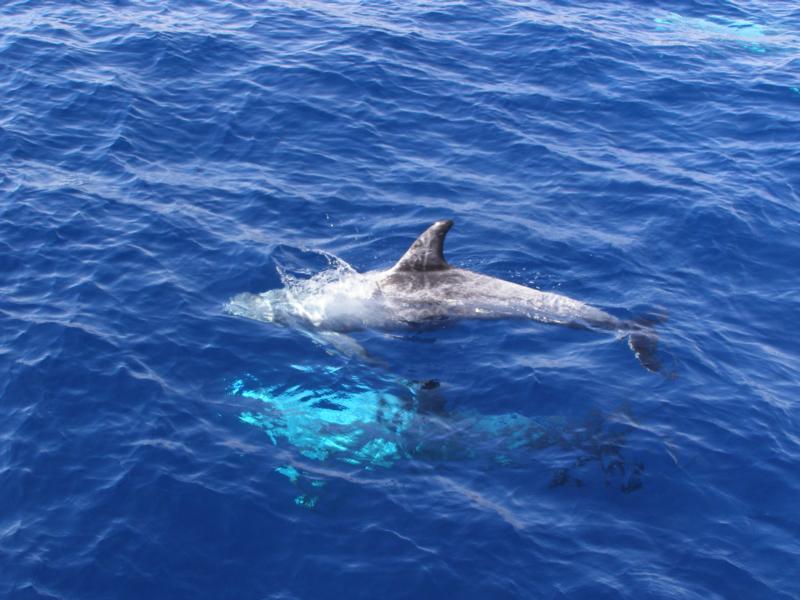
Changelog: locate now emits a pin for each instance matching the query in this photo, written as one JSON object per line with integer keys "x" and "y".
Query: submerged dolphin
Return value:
{"x": 422, "y": 288}
{"x": 331, "y": 416}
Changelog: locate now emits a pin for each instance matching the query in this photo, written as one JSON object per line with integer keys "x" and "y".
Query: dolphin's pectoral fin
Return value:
{"x": 346, "y": 346}
{"x": 342, "y": 343}
{"x": 427, "y": 252}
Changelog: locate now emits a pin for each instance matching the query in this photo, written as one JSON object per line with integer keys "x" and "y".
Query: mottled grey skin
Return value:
{"x": 423, "y": 289}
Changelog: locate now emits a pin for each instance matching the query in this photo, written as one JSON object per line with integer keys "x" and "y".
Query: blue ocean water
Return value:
{"x": 157, "y": 158}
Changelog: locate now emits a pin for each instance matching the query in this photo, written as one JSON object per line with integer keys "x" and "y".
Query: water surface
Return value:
{"x": 158, "y": 158}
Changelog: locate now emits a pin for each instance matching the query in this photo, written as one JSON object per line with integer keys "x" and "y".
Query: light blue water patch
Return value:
{"x": 289, "y": 472}
{"x": 342, "y": 419}
{"x": 352, "y": 424}
{"x": 750, "y": 35}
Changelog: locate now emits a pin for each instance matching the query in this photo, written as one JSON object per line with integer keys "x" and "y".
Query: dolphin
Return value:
{"x": 329, "y": 415}
{"x": 421, "y": 289}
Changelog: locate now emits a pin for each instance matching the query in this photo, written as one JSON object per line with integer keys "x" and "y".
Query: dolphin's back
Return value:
{"x": 459, "y": 293}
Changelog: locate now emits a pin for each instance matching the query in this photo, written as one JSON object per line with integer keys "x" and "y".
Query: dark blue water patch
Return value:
{"x": 158, "y": 159}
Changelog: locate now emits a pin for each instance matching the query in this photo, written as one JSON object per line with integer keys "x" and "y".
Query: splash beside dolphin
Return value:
{"x": 423, "y": 289}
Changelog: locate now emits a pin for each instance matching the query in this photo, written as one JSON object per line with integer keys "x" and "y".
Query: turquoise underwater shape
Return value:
{"x": 747, "y": 33}
{"x": 371, "y": 427}
{"x": 336, "y": 417}
{"x": 352, "y": 423}
{"x": 326, "y": 414}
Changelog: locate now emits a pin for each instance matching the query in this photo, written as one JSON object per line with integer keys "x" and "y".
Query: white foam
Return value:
{"x": 336, "y": 299}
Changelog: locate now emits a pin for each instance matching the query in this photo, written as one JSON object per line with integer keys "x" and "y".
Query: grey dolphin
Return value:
{"x": 422, "y": 288}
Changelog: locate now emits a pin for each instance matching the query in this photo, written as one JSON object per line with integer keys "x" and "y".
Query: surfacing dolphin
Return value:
{"x": 422, "y": 288}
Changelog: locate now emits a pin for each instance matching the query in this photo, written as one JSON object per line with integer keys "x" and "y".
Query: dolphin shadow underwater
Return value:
{"x": 338, "y": 424}
{"x": 420, "y": 290}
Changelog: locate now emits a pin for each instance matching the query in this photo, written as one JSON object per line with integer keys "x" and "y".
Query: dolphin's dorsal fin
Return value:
{"x": 427, "y": 252}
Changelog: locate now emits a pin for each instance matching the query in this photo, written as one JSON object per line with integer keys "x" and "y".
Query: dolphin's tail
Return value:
{"x": 643, "y": 340}
{"x": 645, "y": 347}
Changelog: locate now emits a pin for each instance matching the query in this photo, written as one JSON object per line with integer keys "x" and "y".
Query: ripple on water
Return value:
{"x": 155, "y": 160}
